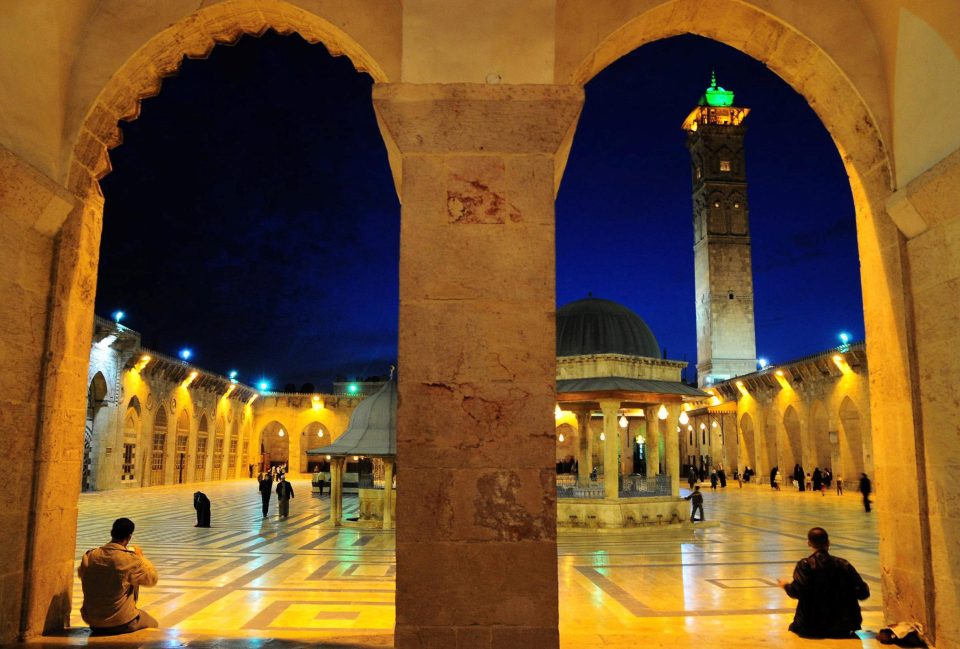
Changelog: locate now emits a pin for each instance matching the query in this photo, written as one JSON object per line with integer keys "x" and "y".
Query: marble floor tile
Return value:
{"x": 261, "y": 582}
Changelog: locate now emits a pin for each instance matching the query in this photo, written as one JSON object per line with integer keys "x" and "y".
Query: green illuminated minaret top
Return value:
{"x": 715, "y": 95}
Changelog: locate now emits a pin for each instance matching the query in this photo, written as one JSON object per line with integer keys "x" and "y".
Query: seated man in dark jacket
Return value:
{"x": 827, "y": 588}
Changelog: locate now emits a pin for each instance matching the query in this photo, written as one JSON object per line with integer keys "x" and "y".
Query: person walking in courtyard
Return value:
{"x": 714, "y": 480}
{"x": 828, "y": 590}
{"x": 111, "y": 576}
{"x": 773, "y": 477}
{"x": 692, "y": 477}
{"x": 266, "y": 489}
{"x": 722, "y": 476}
{"x": 839, "y": 479}
{"x": 696, "y": 503}
{"x": 865, "y": 490}
{"x": 284, "y": 494}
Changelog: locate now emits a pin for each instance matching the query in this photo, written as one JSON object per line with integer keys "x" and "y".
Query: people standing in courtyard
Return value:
{"x": 839, "y": 479}
{"x": 266, "y": 490}
{"x": 284, "y": 494}
{"x": 202, "y": 504}
{"x": 692, "y": 477}
{"x": 111, "y": 576}
{"x": 775, "y": 478}
{"x": 714, "y": 480}
{"x": 817, "y": 480}
{"x": 799, "y": 476}
{"x": 828, "y": 590}
{"x": 722, "y": 476}
{"x": 696, "y": 503}
{"x": 865, "y": 490}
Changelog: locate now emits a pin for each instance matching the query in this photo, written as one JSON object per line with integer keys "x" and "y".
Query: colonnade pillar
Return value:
{"x": 388, "y": 494}
{"x": 672, "y": 447}
{"x": 336, "y": 490}
{"x": 584, "y": 446}
{"x": 611, "y": 450}
{"x": 477, "y": 168}
{"x": 653, "y": 442}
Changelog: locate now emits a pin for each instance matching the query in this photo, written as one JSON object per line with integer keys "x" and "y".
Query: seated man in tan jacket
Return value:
{"x": 111, "y": 576}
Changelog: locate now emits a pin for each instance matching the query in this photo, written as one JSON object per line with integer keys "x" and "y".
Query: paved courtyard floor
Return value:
{"x": 255, "y": 582}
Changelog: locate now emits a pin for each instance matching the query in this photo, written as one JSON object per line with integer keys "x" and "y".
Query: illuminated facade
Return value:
{"x": 154, "y": 420}
{"x": 726, "y": 342}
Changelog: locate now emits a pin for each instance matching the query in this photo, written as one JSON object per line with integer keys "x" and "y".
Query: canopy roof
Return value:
{"x": 622, "y": 384}
{"x": 372, "y": 430}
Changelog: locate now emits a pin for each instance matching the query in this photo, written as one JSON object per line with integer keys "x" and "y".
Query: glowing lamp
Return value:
{"x": 662, "y": 412}
{"x": 639, "y": 439}
{"x": 684, "y": 418}
{"x": 762, "y": 362}
{"x": 703, "y": 426}
{"x": 185, "y": 354}
{"x": 328, "y": 457}
{"x": 603, "y": 437}
{"x": 690, "y": 427}
{"x": 317, "y": 403}
{"x": 229, "y": 391}
{"x": 714, "y": 424}
{"x": 844, "y": 337}
{"x": 281, "y": 432}
{"x": 623, "y": 421}
{"x": 263, "y": 386}
{"x": 356, "y": 457}
{"x": 120, "y": 315}
{"x": 319, "y": 433}
{"x": 353, "y": 388}
{"x": 557, "y": 413}
{"x": 561, "y": 438}
{"x": 779, "y": 372}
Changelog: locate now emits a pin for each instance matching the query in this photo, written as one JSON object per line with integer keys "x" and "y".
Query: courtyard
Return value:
{"x": 253, "y": 581}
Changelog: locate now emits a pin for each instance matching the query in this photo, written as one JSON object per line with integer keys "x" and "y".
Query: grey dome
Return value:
{"x": 595, "y": 326}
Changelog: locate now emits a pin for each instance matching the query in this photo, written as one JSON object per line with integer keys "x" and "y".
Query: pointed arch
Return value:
{"x": 793, "y": 449}
{"x": 850, "y": 440}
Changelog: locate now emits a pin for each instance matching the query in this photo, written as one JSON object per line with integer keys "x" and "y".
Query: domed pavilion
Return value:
{"x": 610, "y": 367}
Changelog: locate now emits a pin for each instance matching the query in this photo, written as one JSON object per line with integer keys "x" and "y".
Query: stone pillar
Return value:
{"x": 672, "y": 446}
{"x": 585, "y": 446}
{"x": 337, "y": 465}
{"x": 653, "y": 442}
{"x": 388, "y": 494}
{"x": 611, "y": 449}
{"x": 477, "y": 169}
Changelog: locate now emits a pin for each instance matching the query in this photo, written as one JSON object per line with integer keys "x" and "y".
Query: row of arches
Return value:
{"x": 768, "y": 441}
{"x": 158, "y": 445}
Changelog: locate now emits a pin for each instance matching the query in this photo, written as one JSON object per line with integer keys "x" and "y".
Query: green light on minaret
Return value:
{"x": 715, "y": 95}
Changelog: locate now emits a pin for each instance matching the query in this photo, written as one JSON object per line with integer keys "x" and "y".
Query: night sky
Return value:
{"x": 251, "y": 215}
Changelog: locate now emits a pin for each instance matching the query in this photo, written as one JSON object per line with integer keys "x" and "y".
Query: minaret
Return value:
{"x": 726, "y": 339}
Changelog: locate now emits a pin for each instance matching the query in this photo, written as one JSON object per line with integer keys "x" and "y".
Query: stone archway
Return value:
{"x": 275, "y": 440}
{"x": 820, "y": 436}
{"x": 314, "y": 435}
{"x": 181, "y": 449}
{"x": 158, "y": 450}
{"x": 96, "y": 400}
{"x": 749, "y": 445}
{"x": 202, "y": 449}
{"x": 131, "y": 437}
{"x": 793, "y": 449}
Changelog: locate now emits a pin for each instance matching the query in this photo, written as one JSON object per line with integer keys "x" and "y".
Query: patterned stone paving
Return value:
{"x": 250, "y": 581}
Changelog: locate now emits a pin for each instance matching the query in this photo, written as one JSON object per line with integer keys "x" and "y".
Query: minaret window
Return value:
{"x": 724, "y": 165}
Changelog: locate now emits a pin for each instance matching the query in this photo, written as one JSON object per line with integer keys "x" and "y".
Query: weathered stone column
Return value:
{"x": 387, "y": 494}
{"x": 585, "y": 446}
{"x": 336, "y": 494}
{"x": 672, "y": 446}
{"x": 477, "y": 169}
{"x": 611, "y": 450}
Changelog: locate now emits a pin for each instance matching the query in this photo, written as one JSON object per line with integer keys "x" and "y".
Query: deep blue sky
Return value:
{"x": 251, "y": 214}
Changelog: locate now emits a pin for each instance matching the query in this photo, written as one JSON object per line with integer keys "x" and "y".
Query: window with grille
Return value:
{"x": 724, "y": 165}
{"x": 201, "y": 455}
{"x": 129, "y": 461}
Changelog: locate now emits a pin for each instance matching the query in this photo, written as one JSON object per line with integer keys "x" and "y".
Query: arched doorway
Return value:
{"x": 216, "y": 466}
{"x": 315, "y": 435}
{"x": 182, "y": 448}
{"x": 850, "y": 441}
{"x": 96, "y": 400}
{"x": 158, "y": 451}
{"x": 131, "y": 433}
{"x": 770, "y": 449}
{"x": 203, "y": 448}
{"x": 275, "y": 440}
{"x": 234, "y": 452}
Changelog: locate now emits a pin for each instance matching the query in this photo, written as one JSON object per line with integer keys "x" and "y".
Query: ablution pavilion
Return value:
{"x": 478, "y": 106}
{"x": 609, "y": 363}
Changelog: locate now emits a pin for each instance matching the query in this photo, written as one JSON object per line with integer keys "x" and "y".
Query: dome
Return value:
{"x": 595, "y": 326}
